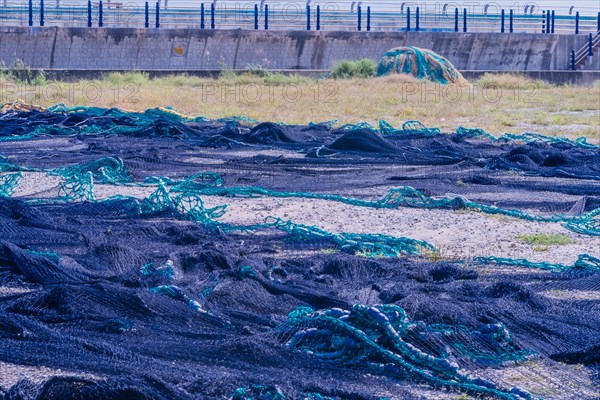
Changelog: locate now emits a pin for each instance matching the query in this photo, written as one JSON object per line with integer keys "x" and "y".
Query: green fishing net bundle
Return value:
{"x": 419, "y": 63}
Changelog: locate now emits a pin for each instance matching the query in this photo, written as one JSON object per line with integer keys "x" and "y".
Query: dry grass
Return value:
{"x": 510, "y": 81}
{"x": 497, "y": 103}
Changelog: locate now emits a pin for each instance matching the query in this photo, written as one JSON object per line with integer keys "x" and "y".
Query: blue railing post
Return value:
{"x": 598, "y": 28}
{"x": 202, "y": 16}
{"x": 212, "y": 15}
{"x": 544, "y": 21}
{"x": 591, "y": 45}
{"x": 256, "y": 16}
{"x": 573, "y": 66}
{"x": 359, "y": 16}
{"x": 147, "y": 15}
{"x": 456, "y": 20}
{"x": 548, "y": 18}
{"x": 30, "y": 12}
{"x": 266, "y": 17}
{"x": 89, "y": 14}
{"x": 318, "y": 17}
{"x": 157, "y": 15}
{"x": 100, "y": 14}
{"x": 417, "y": 17}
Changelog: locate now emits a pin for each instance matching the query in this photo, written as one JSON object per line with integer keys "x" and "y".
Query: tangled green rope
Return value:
{"x": 9, "y": 183}
{"x": 380, "y": 338}
{"x": 585, "y": 262}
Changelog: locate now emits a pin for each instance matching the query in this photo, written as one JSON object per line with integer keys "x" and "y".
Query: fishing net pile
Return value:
{"x": 419, "y": 63}
{"x": 119, "y": 280}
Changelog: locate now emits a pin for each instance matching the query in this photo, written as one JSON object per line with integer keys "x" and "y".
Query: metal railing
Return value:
{"x": 580, "y": 57}
{"x": 372, "y": 16}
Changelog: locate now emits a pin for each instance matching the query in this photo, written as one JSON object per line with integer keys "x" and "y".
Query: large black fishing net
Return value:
{"x": 152, "y": 297}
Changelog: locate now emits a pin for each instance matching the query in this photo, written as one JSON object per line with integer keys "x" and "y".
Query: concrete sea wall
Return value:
{"x": 55, "y": 48}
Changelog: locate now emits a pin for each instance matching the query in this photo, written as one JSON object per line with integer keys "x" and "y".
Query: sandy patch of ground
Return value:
{"x": 581, "y": 295}
{"x": 10, "y": 374}
{"x": 11, "y": 291}
{"x": 457, "y": 234}
{"x": 460, "y": 234}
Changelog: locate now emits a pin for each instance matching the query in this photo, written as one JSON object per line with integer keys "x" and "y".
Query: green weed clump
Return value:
{"x": 545, "y": 239}
{"x": 347, "y": 69}
{"x": 132, "y": 78}
{"x": 261, "y": 76}
{"x": 22, "y": 74}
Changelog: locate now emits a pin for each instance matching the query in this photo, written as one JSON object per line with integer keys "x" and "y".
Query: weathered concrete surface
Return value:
{"x": 195, "y": 50}
{"x": 592, "y": 63}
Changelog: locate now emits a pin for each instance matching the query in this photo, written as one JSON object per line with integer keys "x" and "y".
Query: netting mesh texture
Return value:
{"x": 419, "y": 63}
{"x": 152, "y": 297}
